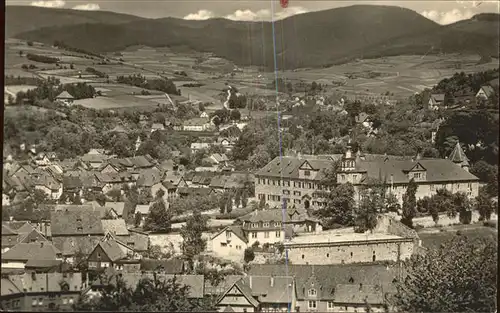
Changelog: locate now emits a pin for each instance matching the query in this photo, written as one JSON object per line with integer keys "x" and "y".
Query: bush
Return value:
{"x": 41, "y": 58}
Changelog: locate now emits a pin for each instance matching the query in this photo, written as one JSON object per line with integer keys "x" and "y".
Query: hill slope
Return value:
{"x": 20, "y": 19}
{"x": 306, "y": 40}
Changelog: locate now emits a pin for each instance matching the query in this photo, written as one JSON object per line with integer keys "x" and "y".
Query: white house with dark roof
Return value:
{"x": 17, "y": 256}
{"x": 65, "y": 98}
{"x": 297, "y": 179}
{"x": 230, "y": 243}
{"x": 436, "y": 101}
{"x": 485, "y": 92}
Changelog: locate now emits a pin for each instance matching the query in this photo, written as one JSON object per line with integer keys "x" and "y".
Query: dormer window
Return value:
{"x": 255, "y": 225}
{"x": 307, "y": 173}
{"x": 312, "y": 292}
{"x": 228, "y": 234}
{"x": 266, "y": 224}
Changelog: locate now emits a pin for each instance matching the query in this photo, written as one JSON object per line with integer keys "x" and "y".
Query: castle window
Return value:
{"x": 303, "y": 257}
{"x": 328, "y": 255}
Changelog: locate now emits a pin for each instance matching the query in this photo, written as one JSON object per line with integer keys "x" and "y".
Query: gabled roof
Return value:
{"x": 112, "y": 250}
{"x": 438, "y": 97}
{"x": 28, "y": 251}
{"x": 236, "y": 230}
{"x": 359, "y": 294}
{"x": 245, "y": 291}
{"x": 65, "y": 95}
{"x": 149, "y": 177}
{"x": 115, "y": 227}
{"x": 7, "y": 231}
{"x": 79, "y": 221}
{"x": 488, "y": 90}
{"x": 329, "y": 276}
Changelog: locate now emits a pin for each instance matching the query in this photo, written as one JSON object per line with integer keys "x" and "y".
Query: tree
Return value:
{"x": 115, "y": 194}
{"x": 158, "y": 219}
{"x": 193, "y": 243}
{"x": 367, "y": 212}
{"x": 235, "y": 115}
{"x": 262, "y": 203}
{"x": 249, "y": 255}
{"x": 339, "y": 207}
{"x": 159, "y": 194}
{"x": 156, "y": 294}
{"x": 409, "y": 204}
{"x": 463, "y": 206}
{"x": 484, "y": 205}
{"x": 137, "y": 219}
{"x": 459, "y": 276}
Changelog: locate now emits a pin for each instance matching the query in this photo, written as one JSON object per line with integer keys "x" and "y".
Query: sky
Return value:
{"x": 443, "y": 12}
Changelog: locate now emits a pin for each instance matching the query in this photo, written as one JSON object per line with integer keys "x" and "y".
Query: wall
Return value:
{"x": 164, "y": 240}
{"x": 362, "y": 251}
{"x": 356, "y": 308}
{"x": 13, "y": 264}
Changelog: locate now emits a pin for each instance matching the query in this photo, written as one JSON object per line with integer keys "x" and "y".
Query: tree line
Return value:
{"x": 137, "y": 80}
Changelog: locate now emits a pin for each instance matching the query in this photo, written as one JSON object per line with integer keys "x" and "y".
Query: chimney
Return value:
{"x": 419, "y": 156}
{"x": 272, "y": 280}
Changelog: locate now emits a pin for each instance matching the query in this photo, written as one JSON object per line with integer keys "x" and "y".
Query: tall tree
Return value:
{"x": 409, "y": 204}
{"x": 460, "y": 276}
{"x": 192, "y": 234}
{"x": 484, "y": 205}
{"x": 339, "y": 207}
{"x": 368, "y": 210}
{"x": 159, "y": 218}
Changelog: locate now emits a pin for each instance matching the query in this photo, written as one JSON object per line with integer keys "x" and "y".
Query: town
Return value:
{"x": 127, "y": 186}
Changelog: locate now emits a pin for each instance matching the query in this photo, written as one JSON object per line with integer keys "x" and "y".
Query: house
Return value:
{"x": 197, "y": 146}
{"x": 298, "y": 179}
{"x": 9, "y": 238}
{"x": 151, "y": 180}
{"x": 436, "y": 101}
{"x": 337, "y": 288}
{"x": 485, "y": 92}
{"x": 258, "y": 294}
{"x": 94, "y": 160}
{"x": 110, "y": 253}
{"x": 157, "y": 126}
{"x": 204, "y": 115}
{"x": 65, "y": 98}
{"x": 17, "y": 256}
{"x": 197, "y": 124}
{"x": 48, "y": 184}
{"x": 230, "y": 242}
{"x": 76, "y": 231}
{"x": 41, "y": 291}
{"x": 219, "y": 159}
{"x": 297, "y": 218}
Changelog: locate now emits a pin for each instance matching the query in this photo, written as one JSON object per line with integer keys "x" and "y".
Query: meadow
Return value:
{"x": 396, "y": 77}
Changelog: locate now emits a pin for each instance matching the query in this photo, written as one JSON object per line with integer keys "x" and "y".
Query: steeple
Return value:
{"x": 458, "y": 157}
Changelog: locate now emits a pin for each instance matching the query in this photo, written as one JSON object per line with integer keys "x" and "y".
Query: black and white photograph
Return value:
{"x": 250, "y": 156}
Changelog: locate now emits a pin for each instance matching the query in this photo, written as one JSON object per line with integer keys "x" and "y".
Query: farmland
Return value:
{"x": 395, "y": 77}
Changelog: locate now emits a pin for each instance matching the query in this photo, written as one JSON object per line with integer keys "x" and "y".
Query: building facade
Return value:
{"x": 298, "y": 180}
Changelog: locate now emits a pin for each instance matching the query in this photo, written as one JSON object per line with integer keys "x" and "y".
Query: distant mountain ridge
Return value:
{"x": 311, "y": 39}
{"x": 19, "y": 19}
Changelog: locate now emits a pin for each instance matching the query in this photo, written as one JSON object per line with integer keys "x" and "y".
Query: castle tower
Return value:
{"x": 458, "y": 157}
{"x": 348, "y": 160}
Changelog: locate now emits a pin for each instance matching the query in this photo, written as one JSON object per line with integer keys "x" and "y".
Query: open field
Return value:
{"x": 14, "y": 89}
{"x": 433, "y": 238}
{"x": 399, "y": 77}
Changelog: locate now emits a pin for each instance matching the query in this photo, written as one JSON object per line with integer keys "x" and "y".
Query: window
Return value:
{"x": 276, "y": 224}
{"x": 266, "y": 224}
{"x": 469, "y": 185}
{"x": 266, "y": 234}
{"x": 278, "y": 234}
{"x": 342, "y": 177}
{"x": 307, "y": 173}
{"x": 255, "y": 225}
{"x": 328, "y": 255}
{"x": 303, "y": 257}
{"x": 354, "y": 177}
{"x": 329, "y": 305}
{"x": 296, "y": 193}
{"x": 351, "y": 254}
{"x": 417, "y": 175}
{"x": 223, "y": 244}
{"x": 312, "y": 292}
{"x": 79, "y": 228}
{"x": 259, "y": 181}
{"x": 431, "y": 187}
{"x": 228, "y": 234}
{"x": 254, "y": 234}
{"x": 70, "y": 301}
{"x": 34, "y": 303}
{"x": 98, "y": 255}
{"x": 311, "y": 304}
{"x": 40, "y": 301}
